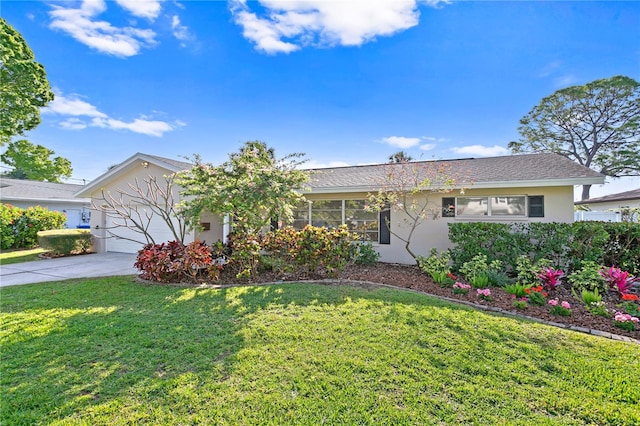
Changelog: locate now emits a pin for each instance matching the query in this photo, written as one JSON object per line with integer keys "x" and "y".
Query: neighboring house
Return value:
{"x": 518, "y": 188}
{"x": 616, "y": 205}
{"x": 53, "y": 196}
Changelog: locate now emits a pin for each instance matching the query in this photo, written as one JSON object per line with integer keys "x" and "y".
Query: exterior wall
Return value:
{"x": 99, "y": 221}
{"x": 215, "y": 229}
{"x": 434, "y": 233}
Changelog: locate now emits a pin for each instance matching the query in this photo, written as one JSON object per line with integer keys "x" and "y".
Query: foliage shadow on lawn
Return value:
{"x": 110, "y": 350}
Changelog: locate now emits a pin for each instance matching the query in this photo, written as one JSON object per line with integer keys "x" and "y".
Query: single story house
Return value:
{"x": 524, "y": 188}
{"x": 53, "y": 196}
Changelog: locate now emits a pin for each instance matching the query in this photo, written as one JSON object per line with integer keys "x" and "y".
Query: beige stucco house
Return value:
{"x": 518, "y": 188}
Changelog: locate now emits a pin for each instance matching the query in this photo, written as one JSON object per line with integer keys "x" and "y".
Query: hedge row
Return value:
{"x": 19, "y": 227}
{"x": 66, "y": 241}
{"x": 312, "y": 251}
{"x": 567, "y": 245}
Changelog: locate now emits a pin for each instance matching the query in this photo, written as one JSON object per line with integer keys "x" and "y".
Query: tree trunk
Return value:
{"x": 585, "y": 192}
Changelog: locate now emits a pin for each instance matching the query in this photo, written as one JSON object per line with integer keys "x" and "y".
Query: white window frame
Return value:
{"x": 489, "y": 199}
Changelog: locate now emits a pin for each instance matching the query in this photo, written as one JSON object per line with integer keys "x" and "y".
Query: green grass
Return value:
{"x": 113, "y": 352}
{"x": 17, "y": 256}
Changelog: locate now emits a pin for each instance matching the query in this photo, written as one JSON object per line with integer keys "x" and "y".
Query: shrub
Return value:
{"x": 475, "y": 270}
{"x": 66, "y": 241}
{"x": 366, "y": 254}
{"x": 588, "y": 278}
{"x": 517, "y": 289}
{"x": 436, "y": 266}
{"x": 497, "y": 278}
{"x": 19, "y": 227}
{"x": 551, "y": 278}
{"x": 174, "y": 262}
{"x": 8, "y": 216}
{"x": 618, "y": 279}
{"x": 312, "y": 250}
{"x": 566, "y": 245}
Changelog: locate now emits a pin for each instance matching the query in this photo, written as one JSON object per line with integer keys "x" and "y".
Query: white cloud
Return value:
{"x": 181, "y": 32}
{"x": 401, "y": 141}
{"x": 139, "y": 125}
{"x": 73, "y": 124}
{"x": 565, "y": 80}
{"x": 73, "y": 107}
{"x": 80, "y": 24}
{"x": 287, "y": 25}
{"x": 427, "y": 146}
{"x": 481, "y": 151}
{"x": 149, "y": 9}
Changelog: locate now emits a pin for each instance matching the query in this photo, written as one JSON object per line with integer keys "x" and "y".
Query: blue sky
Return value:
{"x": 345, "y": 82}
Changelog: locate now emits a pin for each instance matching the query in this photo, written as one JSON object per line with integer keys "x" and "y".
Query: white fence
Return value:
{"x": 581, "y": 216}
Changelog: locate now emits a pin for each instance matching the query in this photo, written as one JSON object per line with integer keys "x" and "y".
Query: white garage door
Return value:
{"x": 119, "y": 237}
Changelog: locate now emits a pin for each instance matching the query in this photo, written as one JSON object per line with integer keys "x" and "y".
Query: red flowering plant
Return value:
{"x": 619, "y": 280}
{"x": 551, "y": 278}
{"x": 536, "y": 295}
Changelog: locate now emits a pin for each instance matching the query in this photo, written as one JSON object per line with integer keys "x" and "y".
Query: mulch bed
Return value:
{"x": 410, "y": 277}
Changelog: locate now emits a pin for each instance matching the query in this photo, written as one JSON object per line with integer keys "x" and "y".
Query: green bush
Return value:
{"x": 312, "y": 250}
{"x": 66, "y": 241}
{"x": 366, "y": 254}
{"x": 436, "y": 266}
{"x": 565, "y": 245}
{"x": 588, "y": 278}
{"x": 19, "y": 227}
{"x": 8, "y": 216}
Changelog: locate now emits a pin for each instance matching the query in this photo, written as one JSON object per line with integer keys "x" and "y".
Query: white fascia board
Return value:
{"x": 48, "y": 200}
{"x": 476, "y": 185}
{"x": 134, "y": 159}
{"x": 534, "y": 183}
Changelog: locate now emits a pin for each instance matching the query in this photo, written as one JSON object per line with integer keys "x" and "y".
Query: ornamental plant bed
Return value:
{"x": 410, "y": 277}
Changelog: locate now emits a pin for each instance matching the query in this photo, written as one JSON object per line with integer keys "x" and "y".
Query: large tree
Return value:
{"x": 24, "y": 87}
{"x": 596, "y": 125}
{"x": 252, "y": 187}
{"x": 33, "y": 162}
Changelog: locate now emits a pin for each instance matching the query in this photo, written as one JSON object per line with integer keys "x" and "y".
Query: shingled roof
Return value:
{"x": 634, "y": 194}
{"x": 33, "y": 190}
{"x": 525, "y": 170}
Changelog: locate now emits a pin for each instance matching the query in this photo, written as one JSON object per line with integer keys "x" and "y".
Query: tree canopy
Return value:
{"x": 33, "y": 162}
{"x": 596, "y": 125}
{"x": 252, "y": 187}
{"x": 24, "y": 89}
{"x": 400, "y": 157}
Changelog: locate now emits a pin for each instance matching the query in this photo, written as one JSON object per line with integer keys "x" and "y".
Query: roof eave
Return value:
{"x": 48, "y": 200}
{"x": 595, "y": 180}
{"x": 86, "y": 191}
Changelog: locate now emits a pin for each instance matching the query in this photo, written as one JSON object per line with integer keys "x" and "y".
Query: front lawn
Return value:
{"x": 18, "y": 256}
{"x": 110, "y": 351}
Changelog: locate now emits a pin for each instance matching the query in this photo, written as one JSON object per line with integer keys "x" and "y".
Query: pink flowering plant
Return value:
{"x": 560, "y": 308}
{"x": 484, "y": 294}
{"x": 461, "y": 288}
{"x": 625, "y": 321}
{"x": 551, "y": 278}
{"x": 619, "y": 280}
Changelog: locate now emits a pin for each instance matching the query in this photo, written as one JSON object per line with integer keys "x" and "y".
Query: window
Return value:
{"x": 498, "y": 206}
{"x": 333, "y": 213}
{"x": 360, "y": 221}
{"x": 536, "y": 206}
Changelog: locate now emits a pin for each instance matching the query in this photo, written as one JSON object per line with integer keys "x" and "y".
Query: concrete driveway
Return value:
{"x": 64, "y": 268}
